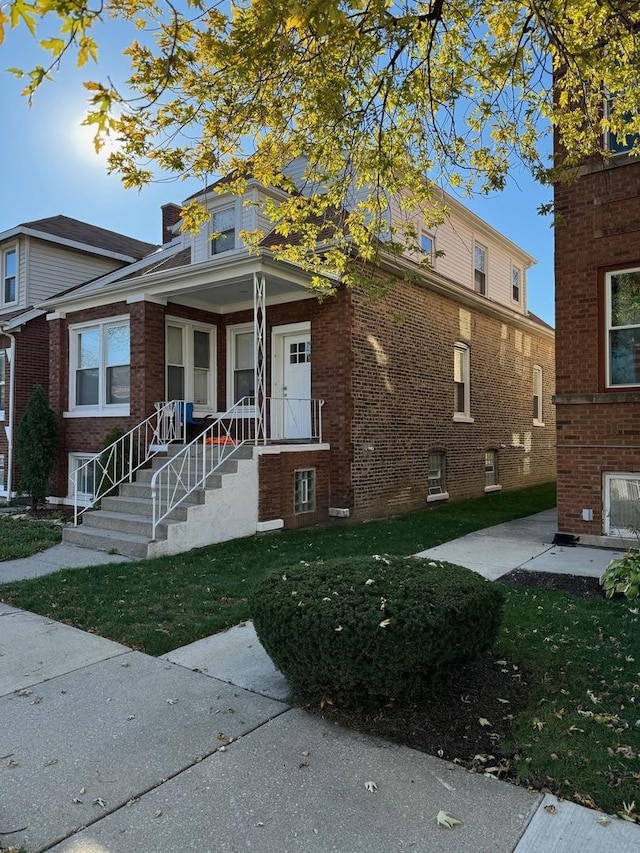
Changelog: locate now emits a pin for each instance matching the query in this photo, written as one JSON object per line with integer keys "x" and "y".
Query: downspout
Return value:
{"x": 9, "y": 429}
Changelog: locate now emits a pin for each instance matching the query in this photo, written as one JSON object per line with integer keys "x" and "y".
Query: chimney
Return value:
{"x": 171, "y": 214}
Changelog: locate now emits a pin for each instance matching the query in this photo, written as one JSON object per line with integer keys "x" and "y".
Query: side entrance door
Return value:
{"x": 296, "y": 385}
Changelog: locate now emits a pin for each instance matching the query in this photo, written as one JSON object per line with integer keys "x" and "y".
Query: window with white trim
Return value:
{"x": 190, "y": 360}
{"x": 437, "y": 475}
{"x": 304, "y": 490}
{"x": 621, "y": 504}
{"x": 3, "y": 382}
{"x": 622, "y": 298}
{"x": 9, "y": 277}
{"x": 99, "y": 356}
{"x": 85, "y": 476}
{"x": 537, "y": 396}
{"x": 240, "y": 363}
{"x": 516, "y": 284}
{"x": 491, "y": 469}
{"x": 223, "y": 230}
{"x": 480, "y": 269}
{"x": 461, "y": 382}
{"x": 427, "y": 246}
{"x": 2, "y": 475}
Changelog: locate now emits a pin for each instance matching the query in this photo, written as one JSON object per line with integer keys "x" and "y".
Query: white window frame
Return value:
{"x": 4, "y": 361}
{"x": 3, "y": 473}
{"x": 462, "y": 359}
{"x": 188, "y": 328}
{"x": 232, "y": 333}
{"x": 101, "y": 409}
{"x": 74, "y": 461}
{"x": 430, "y": 251}
{"x": 609, "y": 329}
{"x": 437, "y": 486}
{"x": 538, "y": 394}
{"x": 304, "y": 490}
{"x": 480, "y": 246}
{"x": 517, "y": 277}
{"x": 607, "y": 477}
{"x": 5, "y": 253}
{"x": 492, "y": 470}
{"x": 233, "y": 208}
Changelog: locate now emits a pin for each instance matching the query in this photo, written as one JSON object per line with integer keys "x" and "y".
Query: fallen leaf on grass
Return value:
{"x": 447, "y": 820}
{"x": 484, "y": 722}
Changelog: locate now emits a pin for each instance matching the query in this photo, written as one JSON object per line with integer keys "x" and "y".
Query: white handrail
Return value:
{"x": 120, "y": 460}
{"x": 185, "y": 472}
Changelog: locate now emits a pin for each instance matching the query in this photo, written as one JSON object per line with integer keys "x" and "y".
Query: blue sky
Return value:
{"x": 54, "y": 170}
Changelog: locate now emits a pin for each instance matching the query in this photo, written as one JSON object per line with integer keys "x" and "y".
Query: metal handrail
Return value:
{"x": 185, "y": 472}
{"x": 119, "y": 461}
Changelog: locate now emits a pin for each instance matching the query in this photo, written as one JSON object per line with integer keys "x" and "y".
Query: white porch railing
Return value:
{"x": 188, "y": 470}
{"x": 119, "y": 461}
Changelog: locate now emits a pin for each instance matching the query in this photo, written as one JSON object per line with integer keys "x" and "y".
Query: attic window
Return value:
{"x": 223, "y": 229}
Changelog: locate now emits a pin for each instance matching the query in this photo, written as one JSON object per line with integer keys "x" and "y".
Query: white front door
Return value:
{"x": 296, "y": 385}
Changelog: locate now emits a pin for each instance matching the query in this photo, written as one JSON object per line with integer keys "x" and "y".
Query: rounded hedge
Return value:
{"x": 374, "y": 628}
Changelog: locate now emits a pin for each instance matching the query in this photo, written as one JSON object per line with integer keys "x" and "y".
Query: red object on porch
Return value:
{"x": 224, "y": 439}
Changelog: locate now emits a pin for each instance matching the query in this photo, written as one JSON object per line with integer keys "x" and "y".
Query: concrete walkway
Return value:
{"x": 107, "y": 750}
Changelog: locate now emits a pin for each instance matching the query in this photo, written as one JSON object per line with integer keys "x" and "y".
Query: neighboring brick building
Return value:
{"x": 597, "y": 262}
{"x": 40, "y": 259}
{"x": 441, "y": 389}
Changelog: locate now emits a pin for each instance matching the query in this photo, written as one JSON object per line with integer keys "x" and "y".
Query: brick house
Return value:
{"x": 39, "y": 259}
{"x": 345, "y": 408}
{"x": 597, "y": 265}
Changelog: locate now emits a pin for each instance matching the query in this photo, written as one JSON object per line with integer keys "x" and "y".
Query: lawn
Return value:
{"x": 557, "y": 708}
{"x": 22, "y": 537}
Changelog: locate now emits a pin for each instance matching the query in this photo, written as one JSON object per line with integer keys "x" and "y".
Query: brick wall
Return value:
{"x": 277, "y": 492}
{"x": 403, "y": 392}
{"x": 598, "y": 228}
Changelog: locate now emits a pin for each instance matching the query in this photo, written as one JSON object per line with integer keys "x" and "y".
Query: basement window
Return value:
{"x": 304, "y": 490}
{"x": 622, "y": 504}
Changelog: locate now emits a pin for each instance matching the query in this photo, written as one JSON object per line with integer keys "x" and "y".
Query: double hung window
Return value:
{"x": 427, "y": 244}
{"x": 223, "y": 230}
{"x": 537, "y": 396}
{"x": 623, "y": 328}
{"x": 9, "y": 277}
{"x": 241, "y": 362}
{"x": 190, "y": 361}
{"x": 100, "y": 377}
{"x": 491, "y": 469}
{"x": 480, "y": 269}
{"x": 516, "y": 283}
{"x": 437, "y": 475}
{"x": 461, "y": 383}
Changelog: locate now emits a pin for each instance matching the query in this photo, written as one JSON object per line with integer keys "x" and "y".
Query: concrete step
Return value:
{"x": 143, "y": 490}
{"x": 143, "y": 507}
{"x": 121, "y": 522}
{"x": 244, "y": 451}
{"x": 194, "y": 469}
{"x": 106, "y": 540}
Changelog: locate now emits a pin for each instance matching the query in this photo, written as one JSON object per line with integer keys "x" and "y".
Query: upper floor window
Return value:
{"x": 516, "y": 283}
{"x": 461, "y": 382}
{"x": 480, "y": 269}
{"x": 223, "y": 229}
{"x": 3, "y": 382}
{"x": 537, "y": 396}
{"x": 427, "y": 245}
{"x": 99, "y": 365}
{"x": 614, "y": 143}
{"x": 623, "y": 327}
{"x": 9, "y": 277}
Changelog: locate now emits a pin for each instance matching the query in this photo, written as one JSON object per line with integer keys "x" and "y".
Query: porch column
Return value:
{"x": 260, "y": 361}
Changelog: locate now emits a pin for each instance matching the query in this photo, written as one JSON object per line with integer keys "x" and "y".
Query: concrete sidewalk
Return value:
{"x": 107, "y": 750}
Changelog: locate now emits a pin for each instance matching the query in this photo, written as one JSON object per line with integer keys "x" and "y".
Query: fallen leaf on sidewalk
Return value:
{"x": 447, "y": 820}
{"x": 371, "y": 786}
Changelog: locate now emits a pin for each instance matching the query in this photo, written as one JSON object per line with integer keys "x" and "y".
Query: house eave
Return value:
{"x": 88, "y": 248}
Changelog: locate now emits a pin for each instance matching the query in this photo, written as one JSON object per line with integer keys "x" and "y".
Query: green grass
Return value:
{"x": 20, "y": 537}
{"x": 580, "y": 734}
{"x": 159, "y": 605}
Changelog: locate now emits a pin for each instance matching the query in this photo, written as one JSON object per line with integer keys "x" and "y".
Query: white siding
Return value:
{"x": 52, "y": 269}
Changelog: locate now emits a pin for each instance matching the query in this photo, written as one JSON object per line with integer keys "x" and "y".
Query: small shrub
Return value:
{"x": 36, "y": 446}
{"x": 623, "y": 575}
{"x": 358, "y": 629}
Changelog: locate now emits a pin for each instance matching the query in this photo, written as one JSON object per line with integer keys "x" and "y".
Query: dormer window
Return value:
{"x": 427, "y": 246}
{"x": 223, "y": 229}
{"x": 9, "y": 277}
{"x": 480, "y": 269}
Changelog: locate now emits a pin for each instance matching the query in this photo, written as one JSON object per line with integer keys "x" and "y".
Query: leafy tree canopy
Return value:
{"x": 377, "y": 95}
